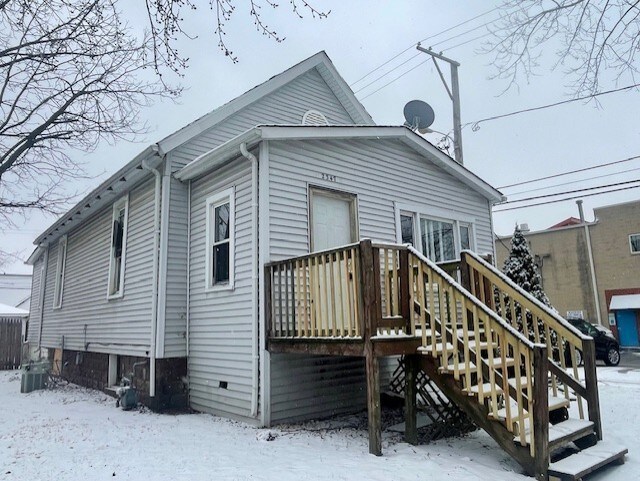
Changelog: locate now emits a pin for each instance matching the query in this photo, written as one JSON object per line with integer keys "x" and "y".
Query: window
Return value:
{"x": 59, "y": 283}
{"x": 634, "y": 243}
{"x": 406, "y": 229}
{"x": 220, "y": 240}
{"x": 438, "y": 243}
{"x": 118, "y": 247}
{"x": 465, "y": 236}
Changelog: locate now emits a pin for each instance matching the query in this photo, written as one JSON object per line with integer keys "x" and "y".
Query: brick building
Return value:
{"x": 592, "y": 269}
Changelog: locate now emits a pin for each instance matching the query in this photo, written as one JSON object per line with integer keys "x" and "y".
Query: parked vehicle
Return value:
{"x": 607, "y": 346}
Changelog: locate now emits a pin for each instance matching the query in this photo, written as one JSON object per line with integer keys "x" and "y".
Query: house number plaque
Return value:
{"x": 329, "y": 177}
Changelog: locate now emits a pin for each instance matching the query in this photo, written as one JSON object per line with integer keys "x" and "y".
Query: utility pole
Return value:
{"x": 454, "y": 95}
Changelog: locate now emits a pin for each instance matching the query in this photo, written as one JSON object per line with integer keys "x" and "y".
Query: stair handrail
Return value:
{"x": 552, "y": 313}
{"x": 474, "y": 299}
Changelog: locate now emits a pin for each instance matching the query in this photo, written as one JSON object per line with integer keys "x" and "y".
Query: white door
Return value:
{"x": 332, "y": 223}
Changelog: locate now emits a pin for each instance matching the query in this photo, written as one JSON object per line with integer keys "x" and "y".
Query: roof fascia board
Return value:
{"x": 212, "y": 118}
{"x": 295, "y": 132}
{"x": 148, "y": 152}
{"x": 217, "y": 156}
{"x": 35, "y": 255}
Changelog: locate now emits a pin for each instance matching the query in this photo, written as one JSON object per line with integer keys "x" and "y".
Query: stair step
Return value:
{"x": 580, "y": 464}
{"x": 563, "y": 433}
{"x": 496, "y": 362}
{"x": 486, "y": 388}
{"x": 554, "y": 403}
{"x": 439, "y": 348}
{"x": 523, "y": 382}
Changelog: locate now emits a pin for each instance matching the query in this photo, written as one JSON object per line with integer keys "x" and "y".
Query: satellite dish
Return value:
{"x": 418, "y": 115}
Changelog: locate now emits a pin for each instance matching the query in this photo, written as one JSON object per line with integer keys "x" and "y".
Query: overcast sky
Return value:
{"x": 359, "y": 35}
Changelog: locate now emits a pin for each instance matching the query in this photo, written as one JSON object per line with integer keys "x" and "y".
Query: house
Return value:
{"x": 15, "y": 290}
{"x": 590, "y": 269}
{"x": 231, "y": 266}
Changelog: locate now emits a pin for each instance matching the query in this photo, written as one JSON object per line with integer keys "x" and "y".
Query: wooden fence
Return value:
{"x": 10, "y": 342}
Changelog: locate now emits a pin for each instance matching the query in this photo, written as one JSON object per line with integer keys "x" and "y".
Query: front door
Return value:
{"x": 627, "y": 328}
{"x": 333, "y": 220}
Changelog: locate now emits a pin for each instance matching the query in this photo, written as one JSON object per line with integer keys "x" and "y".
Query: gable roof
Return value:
{"x": 218, "y": 156}
{"x": 319, "y": 61}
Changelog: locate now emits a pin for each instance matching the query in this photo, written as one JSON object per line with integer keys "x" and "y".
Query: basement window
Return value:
{"x": 60, "y": 267}
{"x": 220, "y": 256}
{"x": 118, "y": 248}
{"x": 634, "y": 243}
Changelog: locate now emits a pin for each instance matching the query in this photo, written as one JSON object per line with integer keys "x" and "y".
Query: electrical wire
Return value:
{"x": 575, "y": 181}
{"x": 476, "y": 124}
{"x": 585, "y": 189}
{"x": 565, "y": 199}
{"x": 387, "y": 73}
{"x": 425, "y": 39}
{"x": 396, "y": 78}
{"x": 628, "y": 159}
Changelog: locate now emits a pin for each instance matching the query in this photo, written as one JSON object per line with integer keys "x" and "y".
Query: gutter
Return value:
{"x": 255, "y": 353}
{"x": 154, "y": 282}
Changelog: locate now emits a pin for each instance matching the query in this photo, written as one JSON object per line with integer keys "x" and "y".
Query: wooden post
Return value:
{"x": 370, "y": 271}
{"x": 541, "y": 411}
{"x": 410, "y": 414}
{"x": 406, "y": 310}
{"x": 465, "y": 279}
{"x": 591, "y": 384}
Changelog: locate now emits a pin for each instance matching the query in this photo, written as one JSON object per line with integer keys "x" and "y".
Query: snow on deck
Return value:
{"x": 73, "y": 433}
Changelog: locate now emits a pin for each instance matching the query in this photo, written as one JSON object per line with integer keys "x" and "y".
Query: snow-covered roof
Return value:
{"x": 627, "y": 301}
{"x": 10, "y": 311}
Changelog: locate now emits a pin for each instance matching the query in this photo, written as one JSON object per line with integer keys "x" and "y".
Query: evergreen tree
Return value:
{"x": 521, "y": 269}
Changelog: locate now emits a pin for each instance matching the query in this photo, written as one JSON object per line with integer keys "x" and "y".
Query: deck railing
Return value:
{"x": 540, "y": 324}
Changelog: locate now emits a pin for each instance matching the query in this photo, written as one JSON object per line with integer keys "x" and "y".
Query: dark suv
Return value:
{"x": 607, "y": 346}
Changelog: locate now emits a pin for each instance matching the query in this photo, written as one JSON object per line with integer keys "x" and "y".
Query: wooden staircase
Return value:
{"x": 513, "y": 382}
{"x": 505, "y": 359}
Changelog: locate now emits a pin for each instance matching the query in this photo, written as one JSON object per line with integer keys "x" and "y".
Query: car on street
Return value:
{"x": 607, "y": 346}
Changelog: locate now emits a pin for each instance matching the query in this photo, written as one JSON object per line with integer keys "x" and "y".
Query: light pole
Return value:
{"x": 454, "y": 95}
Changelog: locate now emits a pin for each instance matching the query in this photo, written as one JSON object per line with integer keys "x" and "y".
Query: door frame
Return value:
{"x": 352, "y": 198}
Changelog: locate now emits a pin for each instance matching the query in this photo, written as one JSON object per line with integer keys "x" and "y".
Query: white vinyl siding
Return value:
{"x": 382, "y": 173}
{"x": 87, "y": 319}
{"x": 286, "y": 105}
{"x": 221, "y": 320}
{"x": 34, "y": 309}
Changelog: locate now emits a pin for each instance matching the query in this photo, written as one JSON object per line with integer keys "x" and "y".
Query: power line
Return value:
{"x": 387, "y": 73}
{"x": 424, "y": 40}
{"x": 396, "y": 78}
{"x": 628, "y": 159}
{"x": 585, "y": 189}
{"x": 476, "y": 124}
{"x": 575, "y": 181}
{"x": 567, "y": 198}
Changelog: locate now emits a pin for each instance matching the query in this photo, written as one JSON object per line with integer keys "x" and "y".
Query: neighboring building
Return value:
{"x": 572, "y": 254}
{"x": 13, "y": 326}
{"x": 295, "y": 164}
{"x": 15, "y": 290}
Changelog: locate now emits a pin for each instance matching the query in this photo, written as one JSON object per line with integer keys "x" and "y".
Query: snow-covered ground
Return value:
{"x": 72, "y": 433}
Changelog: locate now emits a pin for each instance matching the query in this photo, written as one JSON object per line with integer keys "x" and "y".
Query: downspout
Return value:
{"x": 154, "y": 282}
{"x": 255, "y": 355}
{"x": 188, "y": 266}
{"x": 43, "y": 282}
{"x": 592, "y": 267}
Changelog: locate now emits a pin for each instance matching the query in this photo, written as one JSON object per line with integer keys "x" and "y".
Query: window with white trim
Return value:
{"x": 438, "y": 242}
{"x": 634, "y": 243}
{"x": 406, "y": 229}
{"x": 220, "y": 256}
{"x": 118, "y": 247}
{"x": 60, "y": 267}
{"x": 465, "y": 235}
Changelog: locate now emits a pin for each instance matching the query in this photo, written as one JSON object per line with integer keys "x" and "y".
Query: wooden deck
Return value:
{"x": 499, "y": 355}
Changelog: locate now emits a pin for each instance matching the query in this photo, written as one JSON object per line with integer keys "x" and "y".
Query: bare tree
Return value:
{"x": 595, "y": 41}
{"x": 166, "y": 21}
{"x": 71, "y": 74}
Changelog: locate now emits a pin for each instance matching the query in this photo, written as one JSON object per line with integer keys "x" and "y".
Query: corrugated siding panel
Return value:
{"x": 175, "y": 344}
{"x": 286, "y": 105}
{"x": 34, "y": 309}
{"x": 118, "y": 326}
{"x": 380, "y": 173}
{"x": 220, "y": 322}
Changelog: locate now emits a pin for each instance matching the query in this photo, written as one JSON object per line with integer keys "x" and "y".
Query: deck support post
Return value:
{"x": 591, "y": 384}
{"x": 410, "y": 414}
{"x": 541, "y": 412}
{"x": 370, "y": 271}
